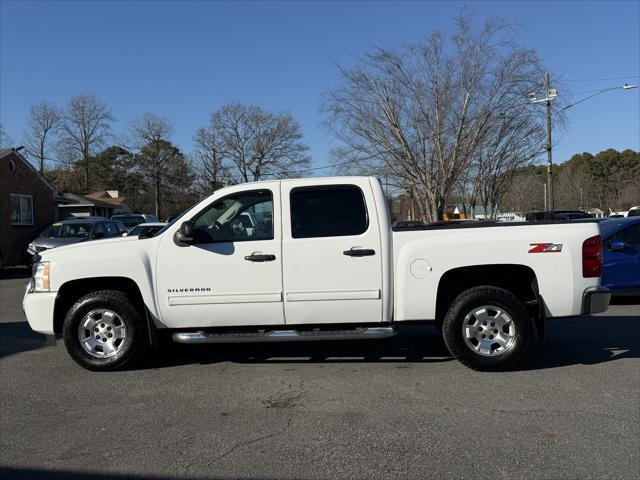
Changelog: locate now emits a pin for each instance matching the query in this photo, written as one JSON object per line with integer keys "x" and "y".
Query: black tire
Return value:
{"x": 136, "y": 336}
{"x": 474, "y": 298}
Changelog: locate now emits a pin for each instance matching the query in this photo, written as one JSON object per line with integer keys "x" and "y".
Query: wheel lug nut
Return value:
{"x": 102, "y": 325}
{"x": 96, "y": 329}
{"x": 490, "y": 337}
{"x": 493, "y": 324}
{"x": 484, "y": 323}
{"x": 495, "y": 330}
{"x": 110, "y": 335}
{"x": 97, "y": 337}
{"x": 483, "y": 335}
{"x": 479, "y": 329}
{"x": 104, "y": 339}
{"x": 109, "y": 328}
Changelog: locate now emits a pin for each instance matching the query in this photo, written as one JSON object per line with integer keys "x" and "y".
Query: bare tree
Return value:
{"x": 525, "y": 193}
{"x": 5, "y": 139}
{"x": 149, "y": 128}
{"x": 209, "y": 156}
{"x": 86, "y": 125}
{"x": 251, "y": 143}
{"x": 514, "y": 141}
{"x": 43, "y": 124}
{"x": 150, "y": 136}
{"x": 422, "y": 114}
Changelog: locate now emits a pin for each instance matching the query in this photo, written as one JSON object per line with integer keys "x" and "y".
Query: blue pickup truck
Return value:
{"x": 621, "y": 255}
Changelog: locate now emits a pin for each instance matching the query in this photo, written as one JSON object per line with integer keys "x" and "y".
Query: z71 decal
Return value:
{"x": 545, "y": 247}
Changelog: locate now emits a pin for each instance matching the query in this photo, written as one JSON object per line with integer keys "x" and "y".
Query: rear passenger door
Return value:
{"x": 332, "y": 259}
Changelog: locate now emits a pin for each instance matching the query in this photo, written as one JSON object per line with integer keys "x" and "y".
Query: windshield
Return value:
{"x": 68, "y": 230}
{"x": 607, "y": 227}
{"x": 135, "y": 230}
{"x": 51, "y": 231}
{"x": 130, "y": 220}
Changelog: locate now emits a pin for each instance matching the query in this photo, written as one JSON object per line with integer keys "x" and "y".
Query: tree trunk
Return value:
{"x": 85, "y": 154}
{"x": 41, "y": 158}
{"x": 157, "y": 196}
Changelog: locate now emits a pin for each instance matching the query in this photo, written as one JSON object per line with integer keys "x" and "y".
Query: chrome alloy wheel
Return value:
{"x": 488, "y": 331}
{"x": 102, "y": 333}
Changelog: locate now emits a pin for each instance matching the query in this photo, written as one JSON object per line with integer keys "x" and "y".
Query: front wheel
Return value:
{"x": 487, "y": 328}
{"x": 104, "y": 331}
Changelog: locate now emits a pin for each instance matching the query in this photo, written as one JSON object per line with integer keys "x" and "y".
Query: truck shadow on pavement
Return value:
{"x": 413, "y": 344}
{"x": 16, "y": 337}
{"x": 585, "y": 340}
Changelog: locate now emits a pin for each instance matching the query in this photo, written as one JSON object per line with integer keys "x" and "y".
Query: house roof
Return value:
{"x": 114, "y": 201}
{"x": 76, "y": 200}
{"x": 5, "y": 152}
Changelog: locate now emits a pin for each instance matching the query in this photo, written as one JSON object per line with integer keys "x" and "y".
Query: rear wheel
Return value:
{"x": 104, "y": 331}
{"x": 487, "y": 328}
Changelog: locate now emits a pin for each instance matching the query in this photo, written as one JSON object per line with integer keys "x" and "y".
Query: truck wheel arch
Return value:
{"x": 72, "y": 290}
{"x": 520, "y": 280}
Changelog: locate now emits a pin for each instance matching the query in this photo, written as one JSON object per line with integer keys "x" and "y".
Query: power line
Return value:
{"x": 600, "y": 79}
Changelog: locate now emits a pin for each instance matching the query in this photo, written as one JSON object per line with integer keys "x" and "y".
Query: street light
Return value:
{"x": 552, "y": 93}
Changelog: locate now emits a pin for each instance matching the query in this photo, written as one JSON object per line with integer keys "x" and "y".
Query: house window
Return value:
{"x": 21, "y": 209}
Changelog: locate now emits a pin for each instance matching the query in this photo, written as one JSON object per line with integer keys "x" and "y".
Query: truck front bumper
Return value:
{"x": 595, "y": 300}
{"x": 38, "y": 308}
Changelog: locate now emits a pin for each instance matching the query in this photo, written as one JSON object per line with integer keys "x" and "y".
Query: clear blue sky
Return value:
{"x": 182, "y": 60}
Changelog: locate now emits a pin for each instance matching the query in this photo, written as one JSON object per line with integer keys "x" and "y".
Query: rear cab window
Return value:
{"x": 328, "y": 211}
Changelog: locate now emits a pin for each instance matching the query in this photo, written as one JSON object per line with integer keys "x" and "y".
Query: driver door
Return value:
{"x": 230, "y": 275}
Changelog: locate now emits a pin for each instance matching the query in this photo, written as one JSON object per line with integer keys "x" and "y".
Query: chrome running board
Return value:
{"x": 284, "y": 335}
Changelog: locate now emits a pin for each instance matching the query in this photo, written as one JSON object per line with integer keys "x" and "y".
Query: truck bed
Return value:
{"x": 453, "y": 224}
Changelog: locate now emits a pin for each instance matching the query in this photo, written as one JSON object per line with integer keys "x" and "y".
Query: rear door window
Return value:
{"x": 328, "y": 211}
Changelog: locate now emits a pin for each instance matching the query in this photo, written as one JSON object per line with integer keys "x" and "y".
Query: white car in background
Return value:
{"x": 633, "y": 212}
{"x": 130, "y": 220}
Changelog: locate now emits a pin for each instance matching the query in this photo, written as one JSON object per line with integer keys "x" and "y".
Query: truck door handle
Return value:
{"x": 260, "y": 257}
{"x": 359, "y": 252}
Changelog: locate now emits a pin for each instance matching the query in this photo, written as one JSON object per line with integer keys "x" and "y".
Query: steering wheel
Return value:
{"x": 237, "y": 228}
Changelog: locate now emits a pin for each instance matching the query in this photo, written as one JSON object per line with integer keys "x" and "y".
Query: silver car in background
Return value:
{"x": 74, "y": 231}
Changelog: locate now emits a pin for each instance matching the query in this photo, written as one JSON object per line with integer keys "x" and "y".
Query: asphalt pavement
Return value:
{"x": 393, "y": 408}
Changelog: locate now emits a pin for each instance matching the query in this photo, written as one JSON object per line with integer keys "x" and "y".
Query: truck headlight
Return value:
{"x": 41, "y": 277}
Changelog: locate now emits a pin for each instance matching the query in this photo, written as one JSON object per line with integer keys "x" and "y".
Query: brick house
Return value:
{"x": 27, "y": 206}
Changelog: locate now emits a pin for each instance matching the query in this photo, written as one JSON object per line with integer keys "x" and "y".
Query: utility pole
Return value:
{"x": 547, "y": 85}
{"x": 550, "y": 94}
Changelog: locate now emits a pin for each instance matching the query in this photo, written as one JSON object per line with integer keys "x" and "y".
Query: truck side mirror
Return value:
{"x": 619, "y": 245}
{"x": 185, "y": 235}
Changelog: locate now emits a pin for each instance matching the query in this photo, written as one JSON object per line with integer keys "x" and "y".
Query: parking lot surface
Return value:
{"x": 394, "y": 408}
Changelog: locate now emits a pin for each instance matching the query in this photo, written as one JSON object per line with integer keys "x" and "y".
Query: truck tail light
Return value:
{"x": 592, "y": 257}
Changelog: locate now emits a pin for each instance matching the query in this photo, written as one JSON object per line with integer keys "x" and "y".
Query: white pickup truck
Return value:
{"x": 320, "y": 262}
